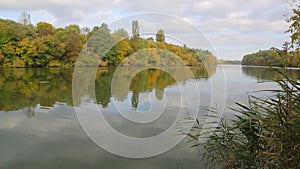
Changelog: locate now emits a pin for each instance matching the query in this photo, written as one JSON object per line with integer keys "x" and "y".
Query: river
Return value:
{"x": 42, "y": 126}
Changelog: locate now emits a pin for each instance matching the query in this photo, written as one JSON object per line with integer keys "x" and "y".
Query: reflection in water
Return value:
{"x": 148, "y": 80}
{"x": 129, "y": 107}
{"x": 35, "y": 89}
{"x": 144, "y": 81}
{"x": 54, "y": 138}
{"x": 28, "y": 88}
{"x": 264, "y": 73}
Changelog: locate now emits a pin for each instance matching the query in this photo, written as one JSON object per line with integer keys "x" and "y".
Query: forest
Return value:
{"x": 23, "y": 44}
{"x": 289, "y": 54}
{"x": 273, "y": 57}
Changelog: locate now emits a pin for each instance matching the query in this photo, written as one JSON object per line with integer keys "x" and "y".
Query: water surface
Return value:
{"x": 39, "y": 127}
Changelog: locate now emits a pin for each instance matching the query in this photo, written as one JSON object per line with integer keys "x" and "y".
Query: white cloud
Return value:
{"x": 235, "y": 15}
{"x": 43, "y": 15}
{"x": 233, "y": 23}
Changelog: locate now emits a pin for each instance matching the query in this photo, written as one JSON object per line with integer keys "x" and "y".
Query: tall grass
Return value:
{"x": 265, "y": 134}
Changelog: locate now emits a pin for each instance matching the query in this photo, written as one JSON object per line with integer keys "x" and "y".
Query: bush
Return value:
{"x": 266, "y": 134}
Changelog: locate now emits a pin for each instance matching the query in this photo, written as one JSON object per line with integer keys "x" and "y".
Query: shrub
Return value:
{"x": 266, "y": 134}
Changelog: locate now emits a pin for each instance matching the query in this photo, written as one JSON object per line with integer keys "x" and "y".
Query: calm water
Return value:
{"x": 39, "y": 127}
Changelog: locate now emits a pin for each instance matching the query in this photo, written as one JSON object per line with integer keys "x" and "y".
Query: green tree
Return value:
{"x": 47, "y": 47}
{"x": 101, "y": 42}
{"x": 135, "y": 29}
{"x": 60, "y": 34}
{"x": 12, "y": 32}
{"x": 37, "y": 53}
{"x": 294, "y": 28}
{"x": 160, "y": 36}
{"x": 9, "y": 53}
{"x": 72, "y": 44}
{"x": 94, "y": 30}
{"x": 120, "y": 34}
{"x": 44, "y": 29}
{"x": 75, "y": 29}
{"x": 119, "y": 52}
{"x": 28, "y": 52}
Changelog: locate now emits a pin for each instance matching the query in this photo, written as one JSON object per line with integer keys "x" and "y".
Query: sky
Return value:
{"x": 233, "y": 27}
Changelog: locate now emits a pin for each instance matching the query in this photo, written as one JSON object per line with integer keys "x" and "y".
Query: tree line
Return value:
{"x": 23, "y": 44}
{"x": 273, "y": 57}
{"x": 289, "y": 55}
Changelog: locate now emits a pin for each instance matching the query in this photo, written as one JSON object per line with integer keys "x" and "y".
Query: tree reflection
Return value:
{"x": 24, "y": 89}
{"x": 266, "y": 74}
{"x": 130, "y": 81}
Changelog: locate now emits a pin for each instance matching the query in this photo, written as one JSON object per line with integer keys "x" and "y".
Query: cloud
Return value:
{"x": 232, "y": 22}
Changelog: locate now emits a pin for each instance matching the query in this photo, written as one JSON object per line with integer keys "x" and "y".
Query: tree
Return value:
{"x": 101, "y": 41}
{"x": 23, "y": 44}
{"x": 135, "y": 29}
{"x": 12, "y": 32}
{"x": 44, "y": 29}
{"x": 24, "y": 18}
{"x": 72, "y": 29}
{"x": 72, "y": 48}
{"x": 70, "y": 42}
{"x": 94, "y": 30}
{"x": 160, "y": 36}
{"x": 120, "y": 34}
{"x": 27, "y": 52}
{"x": 60, "y": 34}
{"x": 118, "y": 52}
{"x": 9, "y": 52}
{"x": 294, "y": 28}
{"x": 6, "y": 32}
{"x": 265, "y": 133}
{"x": 85, "y": 30}
{"x": 39, "y": 52}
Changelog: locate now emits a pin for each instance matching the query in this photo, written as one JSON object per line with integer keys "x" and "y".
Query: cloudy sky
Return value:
{"x": 234, "y": 27}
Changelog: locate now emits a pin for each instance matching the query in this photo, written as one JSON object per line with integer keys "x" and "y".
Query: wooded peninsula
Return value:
{"x": 23, "y": 44}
